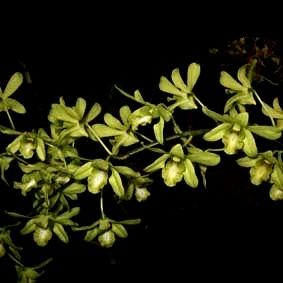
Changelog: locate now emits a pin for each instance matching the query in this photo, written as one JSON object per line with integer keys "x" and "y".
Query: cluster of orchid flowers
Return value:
{"x": 54, "y": 173}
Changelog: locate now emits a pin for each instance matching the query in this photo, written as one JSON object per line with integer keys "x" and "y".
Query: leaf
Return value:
{"x": 40, "y": 149}
{"x": 13, "y": 84}
{"x": 267, "y": 132}
{"x": 119, "y": 230}
{"x": 93, "y": 112}
{"x": 158, "y": 130}
{"x": 116, "y": 183}
{"x": 157, "y": 164}
{"x": 15, "y": 106}
{"x": 60, "y": 232}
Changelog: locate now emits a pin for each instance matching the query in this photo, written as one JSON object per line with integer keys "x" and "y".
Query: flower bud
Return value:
{"x": 141, "y": 194}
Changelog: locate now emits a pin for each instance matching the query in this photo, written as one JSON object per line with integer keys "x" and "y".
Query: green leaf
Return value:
{"x": 267, "y": 132}
{"x": 13, "y": 84}
{"x": 116, "y": 183}
{"x": 190, "y": 176}
{"x": 60, "y": 232}
{"x": 40, "y": 149}
{"x": 119, "y": 230}
{"x": 92, "y": 234}
{"x": 127, "y": 171}
{"x": 15, "y": 106}
{"x": 157, "y": 164}
{"x": 205, "y": 158}
{"x": 84, "y": 171}
{"x": 217, "y": 133}
{"x": 113, "y": 122}
{"x": 158, "y": 130}
{"x": 93, "y": 112}
{"x": 74, "y": 188}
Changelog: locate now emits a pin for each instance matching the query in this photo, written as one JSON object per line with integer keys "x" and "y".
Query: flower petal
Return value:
{"x": 229, "y": 82}
{"x": 166, "y": 86}
{"x": 178, "y": 81}
{"x": 242, "y": 76}
{"x": 192, "y": 75}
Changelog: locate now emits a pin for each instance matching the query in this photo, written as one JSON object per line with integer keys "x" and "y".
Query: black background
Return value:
{"x": 83, "y": 51}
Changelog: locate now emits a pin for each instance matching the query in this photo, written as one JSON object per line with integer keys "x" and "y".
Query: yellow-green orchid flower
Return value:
{"x": 182, "y": 93}
{"x": 261, "y": 166}
{"x": 242, "y": 89}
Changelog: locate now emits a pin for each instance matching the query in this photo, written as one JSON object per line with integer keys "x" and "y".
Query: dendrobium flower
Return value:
{"x": 243, "y": 89}
{"x": 176, "y": 165}
{"x": 276, "y": 191}
{"x": 236, "y": 134}
{"x": 261, "y": 166}
{"x": 122, "y": 133}
{"x": 141, "y": 194}
{"x": 275, "y": 112}
{"x": 97, "y": 180}
{"x": 182, "y": 93}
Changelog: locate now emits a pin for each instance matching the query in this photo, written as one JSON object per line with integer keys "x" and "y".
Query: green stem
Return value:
{"x": 198, "y": 101}
{"x": 101, "y": 205}
{"x": 131, "y": 97}
{"x": 10, "y": 120}
{"x": 263, "y": 106}
{"x": 150, "y": 145}
{"x": 98, "y": 139}
{"x": 144, "y": 137}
